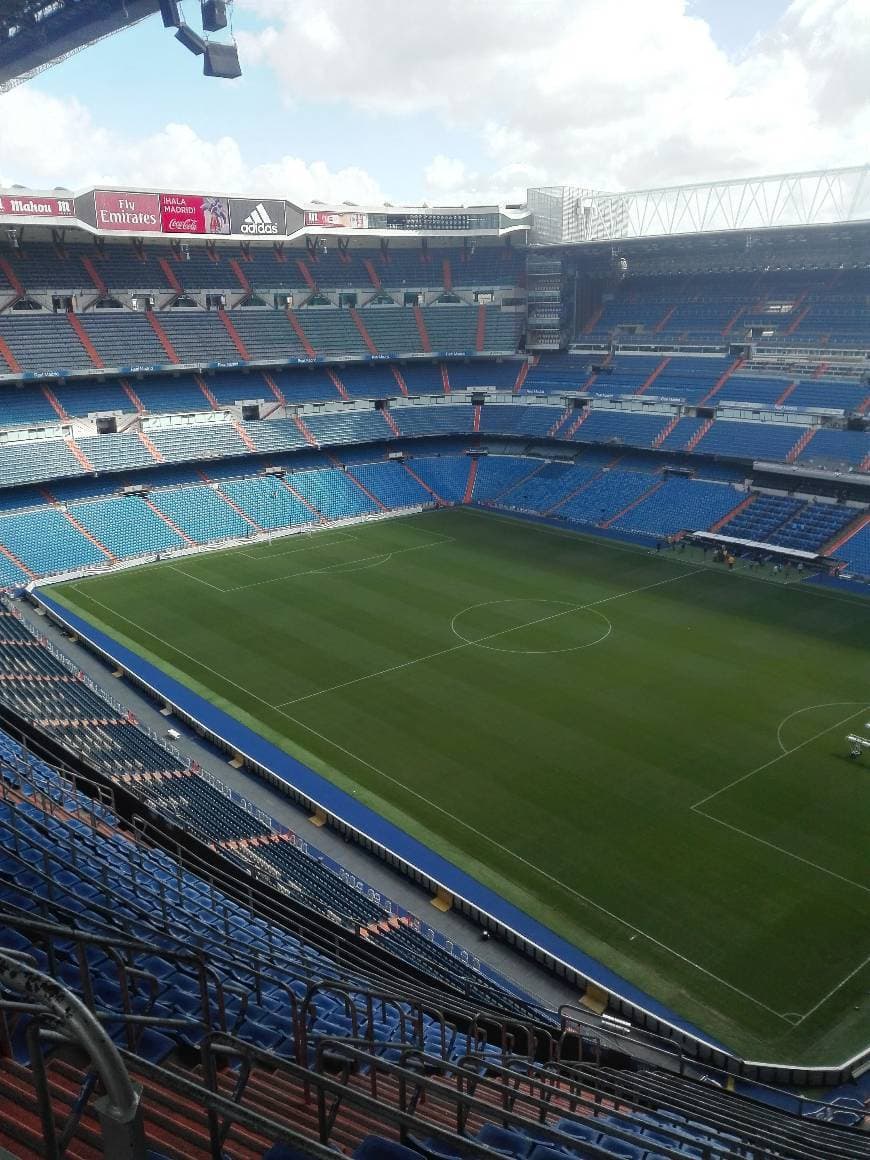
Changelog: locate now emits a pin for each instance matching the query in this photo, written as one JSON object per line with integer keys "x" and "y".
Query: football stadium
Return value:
{"x": 434, "y": 682}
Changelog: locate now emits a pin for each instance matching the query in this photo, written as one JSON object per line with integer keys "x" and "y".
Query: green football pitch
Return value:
{"x": 643, "y": 751}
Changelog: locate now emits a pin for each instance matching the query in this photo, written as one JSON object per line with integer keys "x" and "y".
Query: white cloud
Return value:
{"x": 444, "y": 174}
{"x": 609, "y": 93}
{"x": 44, "y": 141}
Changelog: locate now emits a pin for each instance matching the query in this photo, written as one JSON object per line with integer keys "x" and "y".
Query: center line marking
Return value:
{"x": 481, "y": 639}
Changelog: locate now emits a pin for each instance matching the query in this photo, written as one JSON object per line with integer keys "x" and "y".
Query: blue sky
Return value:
{"x": 473, "y": 100}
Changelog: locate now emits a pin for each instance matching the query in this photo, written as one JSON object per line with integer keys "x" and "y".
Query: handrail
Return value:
{"x": 119, "y": 1111}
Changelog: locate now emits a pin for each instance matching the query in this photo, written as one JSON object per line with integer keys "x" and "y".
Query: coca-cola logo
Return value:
{"x": 180, "y": 225}
{"x": 186, "y": 213}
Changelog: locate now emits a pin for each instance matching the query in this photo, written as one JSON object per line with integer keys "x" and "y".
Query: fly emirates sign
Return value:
{"x": 127, "y": 213}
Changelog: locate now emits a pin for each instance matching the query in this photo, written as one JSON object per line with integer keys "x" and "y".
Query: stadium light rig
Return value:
{"x": 219, "y": 60}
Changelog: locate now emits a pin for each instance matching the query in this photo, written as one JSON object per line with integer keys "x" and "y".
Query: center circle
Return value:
{"x": 501, "y": 625}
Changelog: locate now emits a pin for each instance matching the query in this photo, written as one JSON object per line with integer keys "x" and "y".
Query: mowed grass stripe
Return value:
{"x": 583, "y": 764}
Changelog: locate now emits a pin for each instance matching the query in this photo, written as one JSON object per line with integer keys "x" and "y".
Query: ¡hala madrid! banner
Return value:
{"x": 161, "y": 213}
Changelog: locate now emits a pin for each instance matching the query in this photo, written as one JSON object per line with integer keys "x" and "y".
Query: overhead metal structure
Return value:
{"x": 35, "y": 34}
{"x": 570, "y": 214}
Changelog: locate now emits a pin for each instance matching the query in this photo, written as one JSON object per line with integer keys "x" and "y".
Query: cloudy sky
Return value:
{"x": 459, "y": 101}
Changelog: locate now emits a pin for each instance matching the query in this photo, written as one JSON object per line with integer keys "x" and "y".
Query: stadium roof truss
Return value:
{"x": 35, "y": 34}
{"x": 570, "y": 214}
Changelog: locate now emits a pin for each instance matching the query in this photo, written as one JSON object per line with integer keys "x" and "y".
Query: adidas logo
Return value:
{"x": 258, "y": 221}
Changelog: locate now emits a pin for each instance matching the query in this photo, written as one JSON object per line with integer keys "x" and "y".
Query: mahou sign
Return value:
{"x": 32, "y": 205}
{"x": 186, "y": 213}
{"x": 127, "y": 213}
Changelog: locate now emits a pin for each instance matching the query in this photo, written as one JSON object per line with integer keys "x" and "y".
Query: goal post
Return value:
{"x": 858, "y": 745}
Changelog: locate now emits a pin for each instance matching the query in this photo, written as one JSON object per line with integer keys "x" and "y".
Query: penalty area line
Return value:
{"x": 832, "y": 992}
{"x": 532, "y": 866}
{"x": 785, "y": 753}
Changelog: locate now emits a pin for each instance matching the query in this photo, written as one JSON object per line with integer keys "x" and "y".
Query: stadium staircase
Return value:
{"x": 733, "y": 320}
{"x": 472, "y": 476}
{"x": 738, "y": 510}
{"x": 574, "y": 427}
{"x": 207, "y": 392}
{"x": 132, "y": 396}
{"x": 162, "y": 336}
{"x": 305, "y": 271}
{"x": 169, "y": 522}
{"x": 786, "y": 394}
{"x": 425, "y": 344}
{"x": 12, "y": 277}
{"x": 305, "y": 430}
{"x": 84, "y": 462}
{"x": 800, "y": 445}
{"x": 699, "y": 435}
{"x": 665, "y": 431}
{"x": 300, "y": 333}
{"x": 233, "y": 333}
{"x": 480, "y": 333}
{"x": 374, "y": 277}
{"x": 221, "y": 494}
{"x": 592, "y": 322}
{"x": 650, "y": 379}
{"x": 634, "y": 503}
{"x": 84, "y": 338}
{"x": 241, "y": 276}
{"x": 170, "y": 275}
{"x": 95, "y": 276}
{"x": 560, "y": 422}
{"x": 521, "y": 376}
{"x": 9, "y": 358}
{"x": 721, "y": 381}
{"x": 390, "y": 421}
{"x": 364, "y": 334}
{"x": 338, "y": 384}
{"x": 438, "y": 499}
{"x": 848, "y": 533}
{"x": 587, "y": 482}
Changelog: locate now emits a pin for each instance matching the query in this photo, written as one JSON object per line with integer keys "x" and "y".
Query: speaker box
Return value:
{"x": 191, "y": 40}
{"x": 169, "y": 13}
{"x": 214, "y": 15}
{"x": 221, "y": 60}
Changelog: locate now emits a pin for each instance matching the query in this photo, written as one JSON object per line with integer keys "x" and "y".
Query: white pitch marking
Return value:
{"x": 459, "y": 821}
{"x": 190, "y": 576}
{"x": 579, "y": 534}
{"x": 536, "y": 652}
{"x": 531, "y": 865}
{"x": 807, "y": 709}
{"x": 782, "y": 850}
{"x": 779, "y": 756}
{"x": 490, "y": 636}
{"x": 298, "y": 551}
{"x": 381, "y": 557}
{"x": 833, "y": 991}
